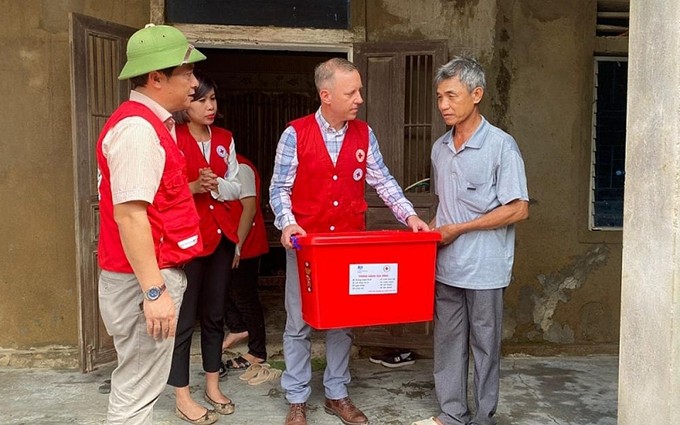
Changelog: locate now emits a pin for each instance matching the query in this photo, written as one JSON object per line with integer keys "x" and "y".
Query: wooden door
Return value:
{"x": 401, "y": 107}
{"x": 97, "y": 56}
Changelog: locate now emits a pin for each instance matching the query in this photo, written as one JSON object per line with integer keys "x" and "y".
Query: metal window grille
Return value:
{"x": 418, "y": 100}
{"x": 608, "y": 143}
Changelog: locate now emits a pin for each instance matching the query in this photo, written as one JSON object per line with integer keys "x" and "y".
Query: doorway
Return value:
{"x": 259, "y": 93}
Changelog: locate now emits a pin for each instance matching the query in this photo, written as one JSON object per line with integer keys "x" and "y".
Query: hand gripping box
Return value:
{"x": 366, "y": 278}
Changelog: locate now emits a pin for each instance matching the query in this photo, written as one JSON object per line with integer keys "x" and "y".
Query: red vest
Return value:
{"x": 256, "y": 242}
{"x": 217, "y": 218}
{"x": 172, "y": 214}
{"x": 327, "y": 197}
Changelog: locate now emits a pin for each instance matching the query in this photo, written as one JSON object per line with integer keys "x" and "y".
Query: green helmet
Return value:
{"x": 157, "y": 47}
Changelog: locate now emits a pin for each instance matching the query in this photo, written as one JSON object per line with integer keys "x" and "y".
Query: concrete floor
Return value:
{"x": 534, "y": 391}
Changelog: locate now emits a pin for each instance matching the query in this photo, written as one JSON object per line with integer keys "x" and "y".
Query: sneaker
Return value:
{"x": 396, "y": 359}
{"x": 224, "y": 371}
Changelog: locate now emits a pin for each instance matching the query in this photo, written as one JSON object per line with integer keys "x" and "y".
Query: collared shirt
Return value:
{"x": 286, "y": 163}
{"x": 487, "y": 172}
{"x": 134, "y": 154}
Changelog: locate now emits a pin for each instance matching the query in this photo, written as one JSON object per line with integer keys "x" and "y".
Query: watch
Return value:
{"x": 154, "y": 292}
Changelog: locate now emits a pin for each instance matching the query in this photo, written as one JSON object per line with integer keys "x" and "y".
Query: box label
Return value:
{"x": 367, "y": 279}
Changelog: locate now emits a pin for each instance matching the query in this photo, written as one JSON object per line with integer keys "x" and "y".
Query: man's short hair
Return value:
{"x": 325, "y": 71}
{"x": 467, "y": 70}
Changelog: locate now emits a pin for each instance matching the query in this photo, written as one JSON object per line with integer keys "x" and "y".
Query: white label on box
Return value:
{"x": 373, "y": 278}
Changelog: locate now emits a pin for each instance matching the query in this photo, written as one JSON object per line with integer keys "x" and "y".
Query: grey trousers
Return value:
{"x": 143, "y": 363}
{"x": 467, "y": 319}
{"x": 297, "y": 347}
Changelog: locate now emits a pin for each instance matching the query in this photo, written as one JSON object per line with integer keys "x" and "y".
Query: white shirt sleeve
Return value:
{"x": 229, "y": 187}
{"x": 246, "y": 176}
{"x": 136, "y": 160}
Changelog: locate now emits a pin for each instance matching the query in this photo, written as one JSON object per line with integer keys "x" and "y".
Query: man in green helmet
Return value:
{"x": 148, "y": 221}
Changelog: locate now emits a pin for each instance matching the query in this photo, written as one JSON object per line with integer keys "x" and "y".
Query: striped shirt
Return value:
{"x": 134, "y": 154}
{"x": 377, "y": 174}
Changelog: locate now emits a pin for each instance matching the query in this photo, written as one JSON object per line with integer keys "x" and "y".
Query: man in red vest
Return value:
{"x": 148, "y": 220}
{"x": 323, "y": 162}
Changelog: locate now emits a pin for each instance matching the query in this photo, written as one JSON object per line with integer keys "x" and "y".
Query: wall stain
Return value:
{"x": 503, "y": 84}
{"x": 463, "y": 6}
{"x": 546, "y": 11}
{"x": 557, "y": 288}
{"x": 504, "y": 77}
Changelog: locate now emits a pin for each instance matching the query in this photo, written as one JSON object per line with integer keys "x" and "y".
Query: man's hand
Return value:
{"x": 416, "y": 224}
{"x": 160, "y": 315}
{"x": 501, "y": 216}
{"x": 288, "y": 231}
{"x": 450, "y": 233}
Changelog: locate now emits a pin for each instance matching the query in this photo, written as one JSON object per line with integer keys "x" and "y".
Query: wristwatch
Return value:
{"x": 154, "y": 292}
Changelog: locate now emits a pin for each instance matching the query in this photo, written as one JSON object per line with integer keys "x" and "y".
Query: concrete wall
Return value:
{"x": 38, "y": 305}
{"x": 538, "y": 56}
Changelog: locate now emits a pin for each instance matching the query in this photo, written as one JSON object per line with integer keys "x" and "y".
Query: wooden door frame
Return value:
{"x": 390, "y": 109}
{"x": 214, "y": 37}
{"x": 86, "y": 223}
{"x": 271, "y": 38}
{"x": 425, "y": 203}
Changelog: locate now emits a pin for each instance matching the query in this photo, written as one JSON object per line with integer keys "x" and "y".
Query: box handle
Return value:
{"x": 294, "y": 242}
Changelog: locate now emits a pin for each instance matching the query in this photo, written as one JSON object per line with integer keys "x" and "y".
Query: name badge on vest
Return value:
{"x": 358, "y": 174}
{"x": 188, "y": 242}
{"x": 361, "y": 155}
{"x": 221, "y": 151}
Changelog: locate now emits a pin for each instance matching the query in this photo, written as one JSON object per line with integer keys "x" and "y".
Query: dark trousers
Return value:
{"x": 243, "y": 310}
{"x": 207, "y": 280}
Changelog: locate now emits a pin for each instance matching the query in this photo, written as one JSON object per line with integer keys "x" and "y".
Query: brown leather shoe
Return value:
{"x": 296, "y": 414}
{"x": 344, "y": 409}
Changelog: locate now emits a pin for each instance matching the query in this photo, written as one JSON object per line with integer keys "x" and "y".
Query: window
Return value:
{"x": 328, "y": 14}
{"x": 609, "y": 143}
{"x": 418, "y": 119}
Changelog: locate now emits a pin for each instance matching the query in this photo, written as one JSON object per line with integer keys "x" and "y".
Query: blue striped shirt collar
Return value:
{"x": 326, "y": 126}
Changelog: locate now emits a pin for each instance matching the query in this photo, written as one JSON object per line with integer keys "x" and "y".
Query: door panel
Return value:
{"x": 401, "y": 108}
{"x": 383, "y": 98}
{"x": 97, "y": 55}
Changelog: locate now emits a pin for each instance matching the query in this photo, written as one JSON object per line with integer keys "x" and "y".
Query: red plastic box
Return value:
{"x": 366, "y": 278}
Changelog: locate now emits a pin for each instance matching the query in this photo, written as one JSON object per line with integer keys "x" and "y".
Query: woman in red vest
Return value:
{"x": 212, "y": 169}
{"x": 243, "y": 311}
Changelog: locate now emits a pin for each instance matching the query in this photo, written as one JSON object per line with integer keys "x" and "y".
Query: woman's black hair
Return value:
{"x": 205, "y": 84}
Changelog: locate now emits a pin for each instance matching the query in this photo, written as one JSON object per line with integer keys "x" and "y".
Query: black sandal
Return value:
{"x": 238, "y": 363}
